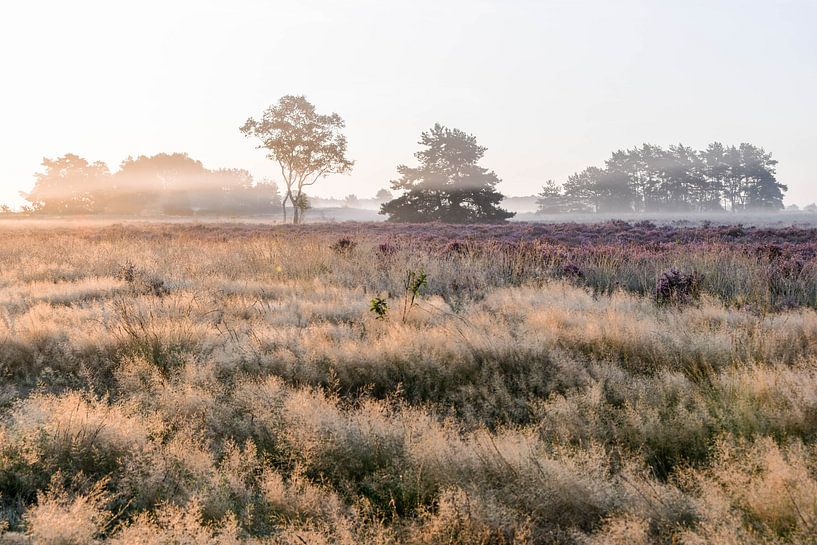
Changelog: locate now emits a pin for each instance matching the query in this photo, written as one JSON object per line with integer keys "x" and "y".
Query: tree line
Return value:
{"x": 172, "y": 184}
{"x": 448, "y": 184}
{"x": 653, "y": 179}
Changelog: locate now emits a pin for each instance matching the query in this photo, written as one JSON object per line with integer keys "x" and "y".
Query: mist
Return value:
{"x": 490, "y": 272}
{"x": 548, "y": 87}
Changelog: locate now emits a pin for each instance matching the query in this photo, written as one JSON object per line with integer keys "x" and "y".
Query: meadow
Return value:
{"x": 614, "y": 383}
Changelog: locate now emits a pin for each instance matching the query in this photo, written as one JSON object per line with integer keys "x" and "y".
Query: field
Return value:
{"x": 607, "y": 383}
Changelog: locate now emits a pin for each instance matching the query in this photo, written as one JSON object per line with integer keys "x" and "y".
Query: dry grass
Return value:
{"x": 172, "y": 386}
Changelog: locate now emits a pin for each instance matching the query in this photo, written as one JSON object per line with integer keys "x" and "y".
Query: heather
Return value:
{"x": 610, "y": 383}
{"x": 745, "y": 266}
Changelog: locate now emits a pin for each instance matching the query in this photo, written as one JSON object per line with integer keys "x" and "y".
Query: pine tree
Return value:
{"x": 581, "y": 190}
{"x": 762, "y": 190}
{"x": 448, "y": 185}
{"x": 551, "y": 200}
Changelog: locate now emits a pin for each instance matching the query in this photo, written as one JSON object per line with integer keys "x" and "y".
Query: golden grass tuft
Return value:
{"x": 236, "y": 388}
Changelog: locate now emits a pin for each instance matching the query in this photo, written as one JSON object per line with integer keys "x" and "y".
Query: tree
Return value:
{"x": 264, "y": 196}
{"x": 158, "y": 183}
{"x": 653, "y": 179}
{"x": 628, "y": 167}
{"x": 733, "y": 185}
{"x": 613, "y": 193}
{"x": 383, "y": 195}
{"x": 232, "y": 191}
{"x": 228, "y": 179}
{"x": 763, "y": 191}
{"x": 69, "y": 185}
{"x": 306, "y": 145}
{"x": 302, "y": 204}
{"x": 160, "y": 172}
{"x": 551, "y": 200}
{"x": 350, "y": 201}
{"x": 448, "y": 185}
{"x": 652, "y": 161}
{"x": 717, "y": 171}
{"x": 580, "y": 190}
{"x": 162, "y": 183}
{"x": 685, "y": 186}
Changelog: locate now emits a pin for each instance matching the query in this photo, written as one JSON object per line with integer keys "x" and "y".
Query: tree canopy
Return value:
{"x": 448, "y": 185}
{"x": 306, "y": 145}
{"x": 383, "y": 195}
{"x": 69, "y": 185}
{"x": 160, "y": 184}
{"x": 654, "y": 179}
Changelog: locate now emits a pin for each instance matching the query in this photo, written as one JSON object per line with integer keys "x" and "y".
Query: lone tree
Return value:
{"x": 448, "y": 185}
{"x": 306, "y": 145}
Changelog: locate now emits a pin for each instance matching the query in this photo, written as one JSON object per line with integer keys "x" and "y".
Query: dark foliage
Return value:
{"x": 344, "y": 246}
{"x": 448, "y": 185}
{"x": 675, "y": 287}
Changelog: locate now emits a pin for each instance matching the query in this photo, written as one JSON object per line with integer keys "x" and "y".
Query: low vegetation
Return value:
{"x": 390, "y": 384}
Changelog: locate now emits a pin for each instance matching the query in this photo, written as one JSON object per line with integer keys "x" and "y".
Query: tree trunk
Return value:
{"x": 296, "y": 214}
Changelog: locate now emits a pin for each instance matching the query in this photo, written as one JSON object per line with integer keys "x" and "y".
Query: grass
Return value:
{"x": 167, "y": 384}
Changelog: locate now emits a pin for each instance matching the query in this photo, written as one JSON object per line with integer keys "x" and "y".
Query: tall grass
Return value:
{"x": 231, "y": 385}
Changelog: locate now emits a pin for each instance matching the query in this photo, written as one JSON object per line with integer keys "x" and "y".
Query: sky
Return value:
{"x": 549, "y": 87}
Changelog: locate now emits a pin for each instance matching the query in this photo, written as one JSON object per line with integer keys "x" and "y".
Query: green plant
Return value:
{"x": 414, "y": 281}
{"x": 379, "y": 306}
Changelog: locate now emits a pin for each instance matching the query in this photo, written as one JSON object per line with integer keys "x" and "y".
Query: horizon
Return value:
{"x": 549, "y": 88}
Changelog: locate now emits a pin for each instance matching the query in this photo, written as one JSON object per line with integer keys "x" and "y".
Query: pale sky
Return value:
{"x": 550, "y": 87}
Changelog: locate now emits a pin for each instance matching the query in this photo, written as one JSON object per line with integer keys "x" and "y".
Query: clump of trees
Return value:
{"x": 172, "y": 184}
{"x": 679, "y": 178}
{"x": 448, "y": 185}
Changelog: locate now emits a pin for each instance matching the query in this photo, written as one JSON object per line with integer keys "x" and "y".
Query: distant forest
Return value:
{"x": 172, "y": 184}
{"x": 677, "y": 179}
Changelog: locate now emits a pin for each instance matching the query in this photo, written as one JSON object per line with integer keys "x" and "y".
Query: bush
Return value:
{"x": 543, "y": 384}
{"x": 344, "y": 246}
{"x": 675, "y": 287}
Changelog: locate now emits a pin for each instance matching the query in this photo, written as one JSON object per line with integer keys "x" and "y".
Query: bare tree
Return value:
{"x": 306, "y": 145}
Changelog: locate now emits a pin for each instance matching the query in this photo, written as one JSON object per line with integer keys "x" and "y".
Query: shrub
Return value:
{"x": 172, "y": 525}
{"x": 379, "y": 306}
{"x": 62, "y": 519}
{"x": 386, "y": 249}
{"x": 573, "y": 271}
{"x": 344, "y": 246}
{"x": 141, "y": 282}
{"x": 675, "y": 287}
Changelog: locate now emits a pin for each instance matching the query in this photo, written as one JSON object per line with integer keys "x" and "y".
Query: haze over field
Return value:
{"x": 455, "y": 272}
{"x": 548, "y": 87}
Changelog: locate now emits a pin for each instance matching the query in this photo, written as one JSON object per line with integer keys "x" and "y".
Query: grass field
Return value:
{"x": 370, "y": 383}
